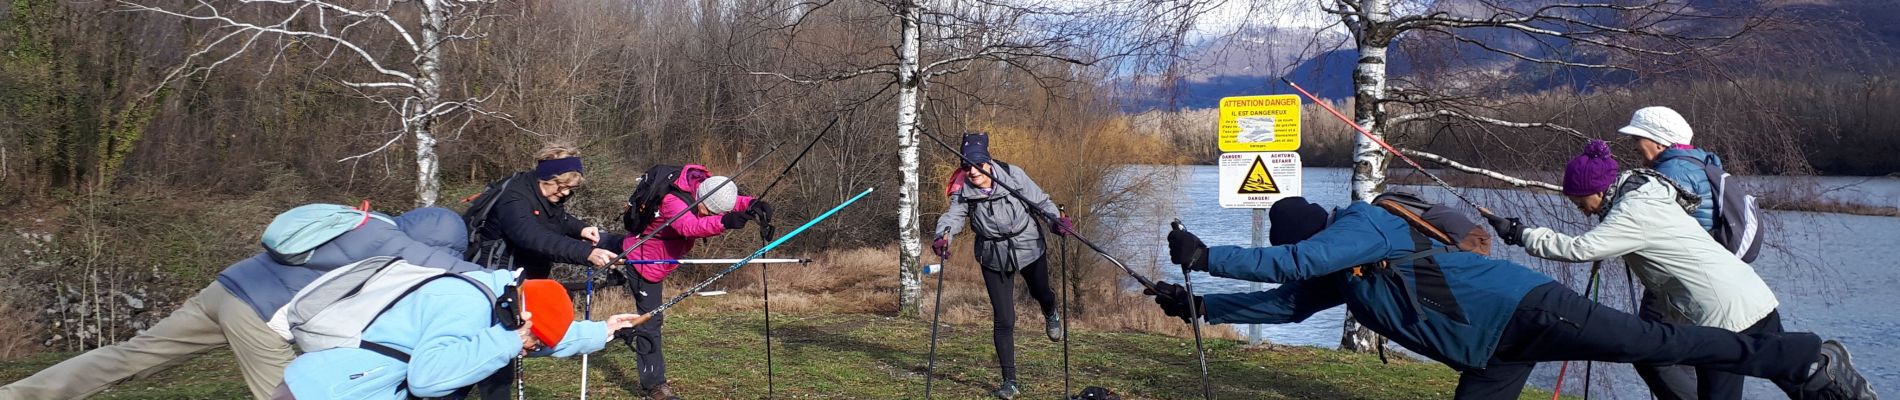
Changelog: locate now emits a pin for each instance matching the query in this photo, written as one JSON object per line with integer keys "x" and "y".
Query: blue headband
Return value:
{"x": 548, "y": 169}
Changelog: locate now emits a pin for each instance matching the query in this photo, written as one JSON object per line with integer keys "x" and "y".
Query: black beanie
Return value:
{"x": 1293, "y": 219}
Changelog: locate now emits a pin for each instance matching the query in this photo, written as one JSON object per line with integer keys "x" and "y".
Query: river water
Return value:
{"x": 1834, "y": 274}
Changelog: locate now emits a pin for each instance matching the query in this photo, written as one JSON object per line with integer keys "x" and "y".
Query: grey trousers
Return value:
{"x": 208, "y": 320}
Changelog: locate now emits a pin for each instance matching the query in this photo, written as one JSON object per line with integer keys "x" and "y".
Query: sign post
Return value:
{"x": 1258, "y": 166}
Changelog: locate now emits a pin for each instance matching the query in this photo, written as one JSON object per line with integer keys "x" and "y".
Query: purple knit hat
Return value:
{"x": 1591, "y": 172}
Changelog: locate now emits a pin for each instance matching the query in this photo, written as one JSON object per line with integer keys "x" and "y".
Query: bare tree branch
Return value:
{"x": 1419, "y": 116}
{"x": 1501, "y": 177}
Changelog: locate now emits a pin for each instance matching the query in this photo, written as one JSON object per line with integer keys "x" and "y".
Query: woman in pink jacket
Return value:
{"x": 718, "y": 211}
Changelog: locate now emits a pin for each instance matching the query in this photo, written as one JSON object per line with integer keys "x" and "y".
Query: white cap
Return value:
{"x": 722, "y": 200}
{"x": 1659, "y": 124}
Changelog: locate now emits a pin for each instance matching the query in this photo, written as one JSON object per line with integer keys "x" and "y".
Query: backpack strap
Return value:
{"x": 385, "y": 350}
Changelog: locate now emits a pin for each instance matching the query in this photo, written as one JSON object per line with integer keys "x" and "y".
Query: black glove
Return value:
{"x": 1173, "y": 300}
{"x": 1186, "y": 250}
{"x": 1508, "y": 229}
{"x": 735, "y": 220}
{"x": 761, "y": 211}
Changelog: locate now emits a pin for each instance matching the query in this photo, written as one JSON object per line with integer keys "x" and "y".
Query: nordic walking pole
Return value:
{"x": 587, "y": 313}
{"x": 1143, "y": 280}
{"x": 1388, "y": 146}
{"x": 742, "y": 262}
{"x": 1588, "y": 289}
{"x": 1066, "y": 388}
{"x": 1207, "y": 387}
{"x": 765, "y": 290}
{"x": 936, "y": 314}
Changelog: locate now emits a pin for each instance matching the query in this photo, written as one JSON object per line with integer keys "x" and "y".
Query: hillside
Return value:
{"x": 720, "y": 355}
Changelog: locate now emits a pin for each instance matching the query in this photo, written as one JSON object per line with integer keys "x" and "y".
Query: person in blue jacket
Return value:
{"x": 237, "y": 309}
{"x": 1492, "y": 320}
{"x": 447, "y": 329}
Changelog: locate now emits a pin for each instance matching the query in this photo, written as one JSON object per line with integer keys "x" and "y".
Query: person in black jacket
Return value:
{"x": 538, "y": 232}
{"x": 535, "y": 232}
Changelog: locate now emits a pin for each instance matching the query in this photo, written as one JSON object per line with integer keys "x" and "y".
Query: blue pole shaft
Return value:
{"x": 775, "y": 243}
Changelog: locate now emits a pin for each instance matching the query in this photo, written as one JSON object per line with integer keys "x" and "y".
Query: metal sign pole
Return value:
{"x": 1259, "y": 240}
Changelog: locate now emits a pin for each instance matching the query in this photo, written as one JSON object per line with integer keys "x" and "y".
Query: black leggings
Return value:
{"x": 1553, "y": 323}
{"x": 1002, "y": 288}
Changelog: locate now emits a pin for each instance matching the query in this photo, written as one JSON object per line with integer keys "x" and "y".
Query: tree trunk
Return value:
{"x": 1369, "y": 159}
{"x": 910, "y": 248}
{"x": 422, "y": 117}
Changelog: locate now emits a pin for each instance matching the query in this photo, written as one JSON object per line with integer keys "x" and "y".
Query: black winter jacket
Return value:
{"x": 538, "y": 233}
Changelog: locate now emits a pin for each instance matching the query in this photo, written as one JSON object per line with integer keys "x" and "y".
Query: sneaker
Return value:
{"x": 663, "y": 392}
{"x": 1835, "y": 378}
{"x": 1054, "y": 326}
{"x": 1007, "y": 390}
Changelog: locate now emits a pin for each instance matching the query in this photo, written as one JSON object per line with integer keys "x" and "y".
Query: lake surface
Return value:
{"x": 1834, "y": 274}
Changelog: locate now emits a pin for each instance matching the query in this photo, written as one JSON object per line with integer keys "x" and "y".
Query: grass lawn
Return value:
{"x": 721, "y": 355}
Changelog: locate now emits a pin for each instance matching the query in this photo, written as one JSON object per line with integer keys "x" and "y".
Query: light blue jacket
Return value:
{"x": 1691, "y": 177}
{"x": 447, "y": 329}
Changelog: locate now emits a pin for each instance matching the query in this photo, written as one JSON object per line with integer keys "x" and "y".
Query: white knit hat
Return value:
{"x": 722, "y": 200}
{"x": 1660, "y": 124}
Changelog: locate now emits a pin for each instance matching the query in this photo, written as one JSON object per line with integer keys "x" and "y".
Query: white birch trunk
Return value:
{"x": 1369, "y": 159}
{"x": 910, "y": 247}
{"x": 422, "y": 116}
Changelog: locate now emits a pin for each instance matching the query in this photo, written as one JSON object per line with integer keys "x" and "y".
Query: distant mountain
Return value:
{"x": 1834, "y": 35}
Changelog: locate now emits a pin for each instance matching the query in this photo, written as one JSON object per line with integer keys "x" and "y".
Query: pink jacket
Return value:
{"x": 677, "y": 239}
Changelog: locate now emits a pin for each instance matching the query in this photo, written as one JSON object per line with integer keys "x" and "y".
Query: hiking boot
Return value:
{"x": 1834, "y": 376}
{"x": 1006, "y": 391}
{"x": 662, "y": 392}
{"x": 1054, "y": 326}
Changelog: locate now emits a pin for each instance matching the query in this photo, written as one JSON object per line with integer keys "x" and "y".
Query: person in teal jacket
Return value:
{"x": 453, "y": 342}
{"x": 1492, "y": 320}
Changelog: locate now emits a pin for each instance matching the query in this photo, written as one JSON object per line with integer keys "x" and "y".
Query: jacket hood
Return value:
{"x": 435, "y": 226}
{"x": 690, "y": 177}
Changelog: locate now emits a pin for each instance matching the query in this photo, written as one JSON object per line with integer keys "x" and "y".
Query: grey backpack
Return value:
{"x": 335, "y": 309}
{"x": 1738, "y": 225}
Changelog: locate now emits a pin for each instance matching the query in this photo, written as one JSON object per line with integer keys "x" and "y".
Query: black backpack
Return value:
{"x": 480, "y": 206}
{"x": 1737, "y": 218}
{"x": 643, "y": 206}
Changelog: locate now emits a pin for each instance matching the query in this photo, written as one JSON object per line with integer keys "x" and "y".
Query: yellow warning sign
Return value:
{"x": 1260, "y": 123}
{"x": 1258, "y": 180}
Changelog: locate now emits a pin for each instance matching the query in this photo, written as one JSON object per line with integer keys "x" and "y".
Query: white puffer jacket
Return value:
{"x": 1668, "y": 250}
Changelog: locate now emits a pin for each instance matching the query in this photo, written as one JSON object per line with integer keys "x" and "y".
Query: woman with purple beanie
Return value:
{"x": 1646, "y": 219}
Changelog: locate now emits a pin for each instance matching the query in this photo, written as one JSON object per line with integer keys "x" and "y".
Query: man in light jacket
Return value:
{"x": 235, "y": 309}
{"x": 1646, "y": 221}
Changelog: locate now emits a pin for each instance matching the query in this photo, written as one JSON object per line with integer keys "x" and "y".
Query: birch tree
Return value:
{"x": 1634, "y": 36}
{"x": 389, "y": 52}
